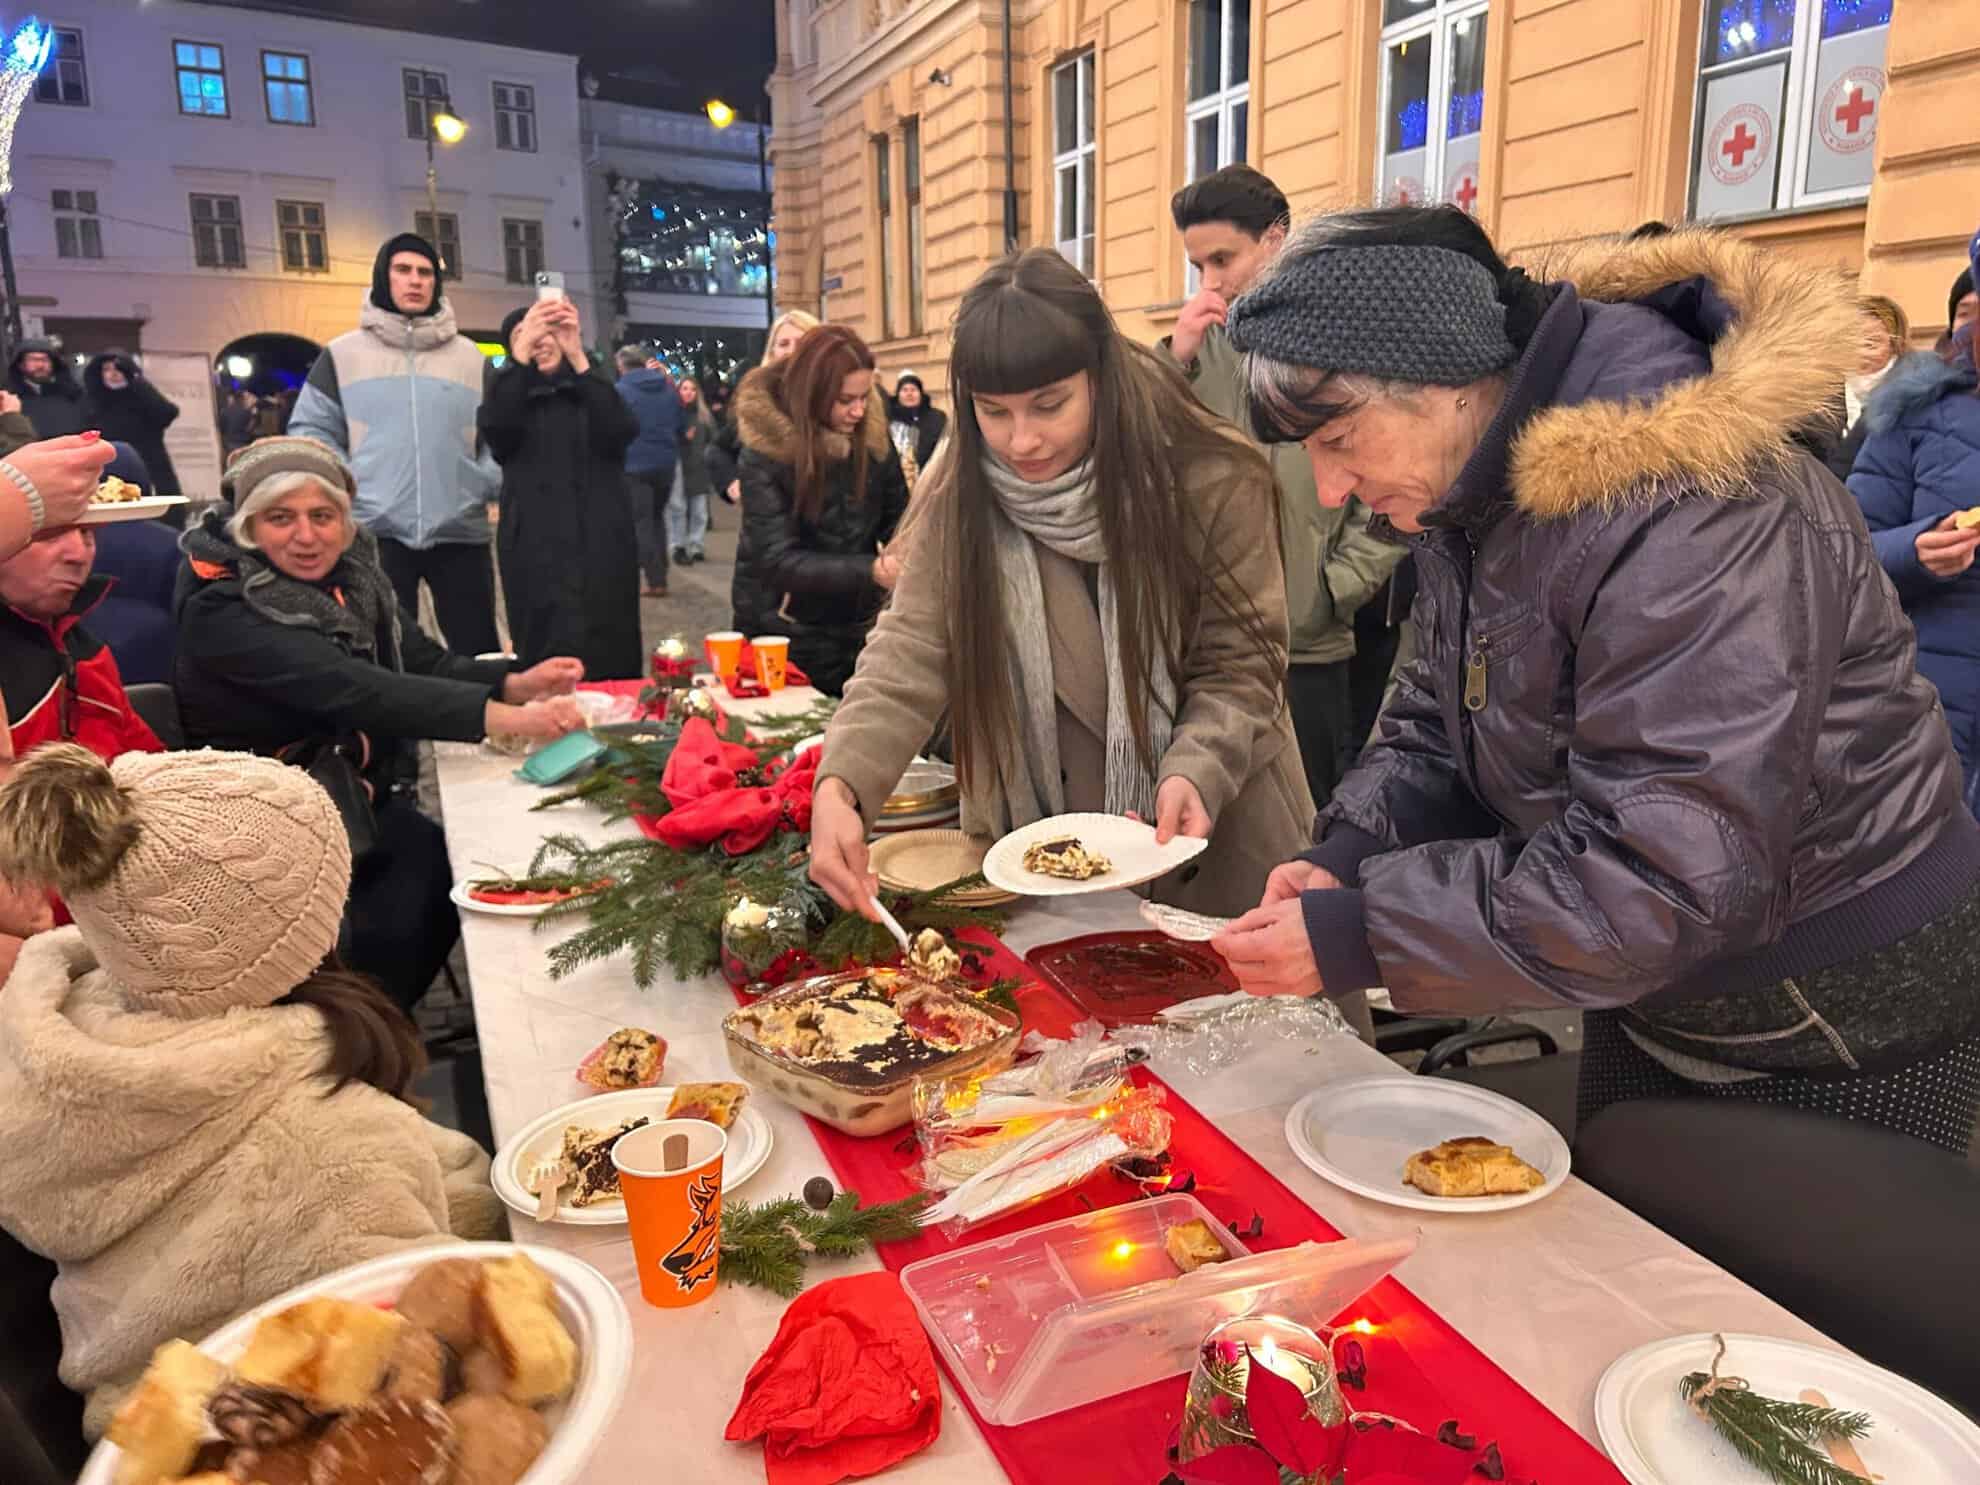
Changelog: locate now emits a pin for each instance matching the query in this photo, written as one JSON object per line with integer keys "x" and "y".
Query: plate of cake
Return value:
{"x": 1068, "y": 855}
{"x": 456, "y": 1364}
{"x": 572, "y": 1147}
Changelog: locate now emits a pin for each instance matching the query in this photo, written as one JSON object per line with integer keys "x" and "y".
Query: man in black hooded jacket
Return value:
{"x": 50, "y": 395}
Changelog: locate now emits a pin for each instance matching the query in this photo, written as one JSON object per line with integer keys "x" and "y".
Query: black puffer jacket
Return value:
{"x": 818, "y": 572}
{"x": 136, "y": 413}
{"x": 1664, "y": 744}
{"x": 55, "y": 406}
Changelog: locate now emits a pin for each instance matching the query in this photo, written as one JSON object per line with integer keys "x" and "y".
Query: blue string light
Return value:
{"x": 1467, "y": 114}
{"x": 1412, "y": 124}
{"x": 1746, "y": 28}
{"x": 1842, "y": 17}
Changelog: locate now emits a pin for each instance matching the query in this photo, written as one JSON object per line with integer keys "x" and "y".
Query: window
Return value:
{"x": 305, "y": 248}
{"x": 202, "y": 79}
{"x": 1073, "y": 161}
{"x": 1789, "y": 95}
{"x": 1219, "y": 83}
{"x": 64, "y": 80}
{"x": 1433, "y": 67}
{"x": 522, "y": 249}
{"x": 78, "y": 232}
{"x": 675, "y": 237}
{"x": 883, "y": 180}
{"x": 285, "y": 82}
{"x": 216, "y": 223}
{"x": 444, "y": 232}
{"x": 911, "y": 178}
{"x": 426, "y": 95}
{"x": 515, "y": 117}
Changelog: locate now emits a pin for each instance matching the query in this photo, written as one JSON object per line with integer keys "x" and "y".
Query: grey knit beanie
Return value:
{"x": 249, "y": 477}
{"x": 1411, "y": 313}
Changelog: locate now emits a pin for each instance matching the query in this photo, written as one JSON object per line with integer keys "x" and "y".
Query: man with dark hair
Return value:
{"x": 50, "y": 395}
{"x": 1233, "y": 223}
{"x": 653, "y": 460}
{"x": 1963, "y": 305}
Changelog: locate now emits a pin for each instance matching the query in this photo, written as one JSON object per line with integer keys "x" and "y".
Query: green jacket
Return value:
{"x": 1334, "y": 563}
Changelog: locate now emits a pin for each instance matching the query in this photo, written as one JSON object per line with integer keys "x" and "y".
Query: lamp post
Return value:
{"x": 448, "y": 127}
{"x": 721, "y": 115}
{"x": 27, "y": 53}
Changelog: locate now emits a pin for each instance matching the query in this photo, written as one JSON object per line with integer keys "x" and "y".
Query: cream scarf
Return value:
{"x": 1063, "y": 516}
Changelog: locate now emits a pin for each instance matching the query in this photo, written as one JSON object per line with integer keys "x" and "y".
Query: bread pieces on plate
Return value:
{"x": 160, "y": 1425}
{"x": 1471, "y": 1165}
{"x": 518, "y": 1322}
{"x": 331, "y": 1352}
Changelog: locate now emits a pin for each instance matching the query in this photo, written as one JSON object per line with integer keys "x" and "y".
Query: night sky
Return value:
{"x": 663, "y": 53}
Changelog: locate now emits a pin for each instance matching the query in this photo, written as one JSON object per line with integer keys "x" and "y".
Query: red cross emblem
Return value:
{"x": 1737, "y": 144}
{"x": 1847, "y": 117}
{"x": 1740, "y": 145}
{"x": 1852, "y": 114}
{"x": 1466, "y": 193}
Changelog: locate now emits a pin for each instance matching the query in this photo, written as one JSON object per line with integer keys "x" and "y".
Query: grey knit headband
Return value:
{"x": 1416, "y": 314}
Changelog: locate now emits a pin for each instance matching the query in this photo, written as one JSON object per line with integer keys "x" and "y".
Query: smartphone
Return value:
{"x": 550, "y": 284}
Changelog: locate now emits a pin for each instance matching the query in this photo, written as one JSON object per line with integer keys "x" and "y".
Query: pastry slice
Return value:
{"x": 1470, "y": 1165}
{"x": 518, "y": 1323}
{"x": 389, "y": 1441}
{"x": 1192, "y": 1244}
{"x": 587, "y": 1156}
{"x": 1967, "y": 519}
{"x": 717, "y": 1103}
{"x": 160, "y": 1425}
{"x": 629, "y": 1058}
{"x": 1065, "y": 858}
{"x": 333, "y": 1353}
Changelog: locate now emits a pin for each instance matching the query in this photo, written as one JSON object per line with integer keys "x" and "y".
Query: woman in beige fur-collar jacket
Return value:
{"x": 194, "y": 1115}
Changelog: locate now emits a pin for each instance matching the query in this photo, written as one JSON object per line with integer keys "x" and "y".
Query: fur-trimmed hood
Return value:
{"x": 1782, "y": 337}
{"x": 1917, "y": 381}
{"x": 767, "y": 427}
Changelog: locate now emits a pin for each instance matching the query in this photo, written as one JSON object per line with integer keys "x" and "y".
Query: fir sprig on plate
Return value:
{"x": 1783, "y": 1440}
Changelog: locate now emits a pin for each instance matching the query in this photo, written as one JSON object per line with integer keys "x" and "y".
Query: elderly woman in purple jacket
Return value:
{"x": 1663, "y": 755}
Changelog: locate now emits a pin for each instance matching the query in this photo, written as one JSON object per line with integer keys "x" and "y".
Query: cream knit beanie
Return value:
{"x": 202, "y": 881}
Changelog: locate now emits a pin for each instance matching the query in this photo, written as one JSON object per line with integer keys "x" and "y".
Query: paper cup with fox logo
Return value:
{"x": 675, "y": 1216}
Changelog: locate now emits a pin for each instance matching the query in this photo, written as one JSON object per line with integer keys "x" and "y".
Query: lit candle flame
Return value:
{"x": 1123, "y": 1250}
{"x": 1363, "y": 1327}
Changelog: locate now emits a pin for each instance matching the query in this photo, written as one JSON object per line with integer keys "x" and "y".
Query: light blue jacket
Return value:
{"x": 397, "y": 398}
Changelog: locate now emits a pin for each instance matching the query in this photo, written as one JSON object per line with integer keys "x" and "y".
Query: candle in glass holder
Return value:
{"x": 1214, "y": 1408}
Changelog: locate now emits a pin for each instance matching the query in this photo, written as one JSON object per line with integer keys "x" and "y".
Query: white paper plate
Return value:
{"x": 749, "y": 1147}
{"x": 591, "y": 1309}
{"x": 459, "y": 897}
{"x": 1129, "y": 844}
{"x": 110, "y": 512}
{"x": 1655, "y": 1439}
{"x": 1359, "y": 1132}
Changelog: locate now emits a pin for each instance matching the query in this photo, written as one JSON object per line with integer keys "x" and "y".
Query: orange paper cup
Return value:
{"x": 675, "y": 1216}
{"x": 773, "y": 652}
{"x": 724, "y": 649}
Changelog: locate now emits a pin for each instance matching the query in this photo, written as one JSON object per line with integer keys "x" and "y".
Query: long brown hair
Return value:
{"x": 372, "y": 1041}
{"x": 1030, "y": 320}
{"x": 811, "y": 381}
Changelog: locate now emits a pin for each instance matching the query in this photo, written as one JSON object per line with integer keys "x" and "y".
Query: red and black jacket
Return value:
{"x": 61, "y": 683}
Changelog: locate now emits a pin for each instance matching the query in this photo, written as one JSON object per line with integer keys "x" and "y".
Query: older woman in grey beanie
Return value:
{"x": 292, "y": 643}
{"x": 1664, "y": 755}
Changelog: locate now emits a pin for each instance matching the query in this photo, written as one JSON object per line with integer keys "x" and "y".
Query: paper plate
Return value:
{"x": 1654, "y": 1438}
{"x": 109, "y": 512}
{"x": 1128, "y": 844}
{"x": 1357, "y": 1133}
{"x": 459, "y": 897}
{"x": 749, "y": 1146}
{"x": 920, "y": 860}
{"x": 590, "y": 1307}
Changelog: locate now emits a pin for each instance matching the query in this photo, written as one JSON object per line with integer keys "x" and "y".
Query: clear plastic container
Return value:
{"x": 1048, "y": 1319}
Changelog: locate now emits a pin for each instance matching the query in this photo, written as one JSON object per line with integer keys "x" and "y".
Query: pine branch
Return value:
{"x": 852, "y": 937}
{"x": 769, "y": 1245}
{"x": 1783, "y": 1440}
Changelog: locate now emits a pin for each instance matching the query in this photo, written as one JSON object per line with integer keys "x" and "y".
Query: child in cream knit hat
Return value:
{"x": 200, "y": 1110}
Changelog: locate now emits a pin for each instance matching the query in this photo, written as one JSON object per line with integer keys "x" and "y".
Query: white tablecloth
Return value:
{"x": 1552, "y": 1293}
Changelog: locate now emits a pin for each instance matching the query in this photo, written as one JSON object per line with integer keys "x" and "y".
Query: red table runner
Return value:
{"x": 1419, "y": 1368}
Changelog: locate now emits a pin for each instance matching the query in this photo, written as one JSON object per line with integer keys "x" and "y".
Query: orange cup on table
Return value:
{"x": 724, "y": 649}
{"x": 675, "y": 1216}
{"x": 773, "y": 655}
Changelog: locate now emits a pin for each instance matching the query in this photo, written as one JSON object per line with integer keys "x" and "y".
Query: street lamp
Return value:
{"x": 443, "y": 124}
{"x": 721, "y": 115}
{"x": 27, "y": 53}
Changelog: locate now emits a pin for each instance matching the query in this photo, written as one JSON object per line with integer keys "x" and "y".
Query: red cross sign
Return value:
{"x": 1852, "y": 114}
{"x": 1737, "y": 144}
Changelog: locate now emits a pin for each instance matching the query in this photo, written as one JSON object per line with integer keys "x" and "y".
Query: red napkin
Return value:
{"x": 846, "y": 1389}
{"x": 700, "y": 782}
{"x": 744, "y": 684}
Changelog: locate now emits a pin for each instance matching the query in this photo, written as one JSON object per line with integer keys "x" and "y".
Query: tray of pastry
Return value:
{"x": 846, "y": 1048}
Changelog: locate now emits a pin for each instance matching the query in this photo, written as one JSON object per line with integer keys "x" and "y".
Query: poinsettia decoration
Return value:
{"x": 1288, "y": 1445}
{"x": 723, "y": 792}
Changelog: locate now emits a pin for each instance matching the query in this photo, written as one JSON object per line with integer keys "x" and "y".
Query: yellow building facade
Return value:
{"x": 908, "y": 151}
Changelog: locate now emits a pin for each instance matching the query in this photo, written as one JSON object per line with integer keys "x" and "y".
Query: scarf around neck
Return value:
{"x": 1064, "y": 516}
{"x": 369, "y": 601}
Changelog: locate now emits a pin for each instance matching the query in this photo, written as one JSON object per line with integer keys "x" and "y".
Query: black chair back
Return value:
{"x": 158, "y": 705}
{"x": 1867, "y": 1235}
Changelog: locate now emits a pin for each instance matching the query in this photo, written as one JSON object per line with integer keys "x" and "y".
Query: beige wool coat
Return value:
{"x": 180, "y": 1172}
{"x": 1233, "y": 738}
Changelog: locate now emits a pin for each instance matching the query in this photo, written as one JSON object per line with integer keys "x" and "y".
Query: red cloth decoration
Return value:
{"x": 847, "y": 1388}
{"x": 744, "y": 685}
{"x": 708, "y": 805}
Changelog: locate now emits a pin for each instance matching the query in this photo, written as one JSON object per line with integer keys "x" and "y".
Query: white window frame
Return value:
{"x": 1798, "y": 104}
{"x": 513, "y": 113}
{"x": 883, "y": 189}
{"x": 912, "y": 167}
{"x": 65, "y": 204}
{"x": 1223, "y": 102}
{"x": 521, "y": 242}
{"x": 1077, "y": 246}
{"x": 1434, "y": 26}
{"x": 303, "y": 230}
{"x": 54, "y": 72}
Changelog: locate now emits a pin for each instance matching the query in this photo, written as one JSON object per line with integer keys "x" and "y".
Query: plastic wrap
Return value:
{"x": 1200, "y": 1036}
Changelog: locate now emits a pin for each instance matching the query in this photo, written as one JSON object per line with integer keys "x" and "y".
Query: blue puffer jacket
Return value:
{"x": 655, "y": 403}
{"x": 397, "y": 397}
{"x": 1921, "y": 463}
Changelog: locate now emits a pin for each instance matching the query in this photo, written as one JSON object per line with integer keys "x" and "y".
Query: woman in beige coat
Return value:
{"x": 196, "y": 1114}
{"x": 1091, "y": 592}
